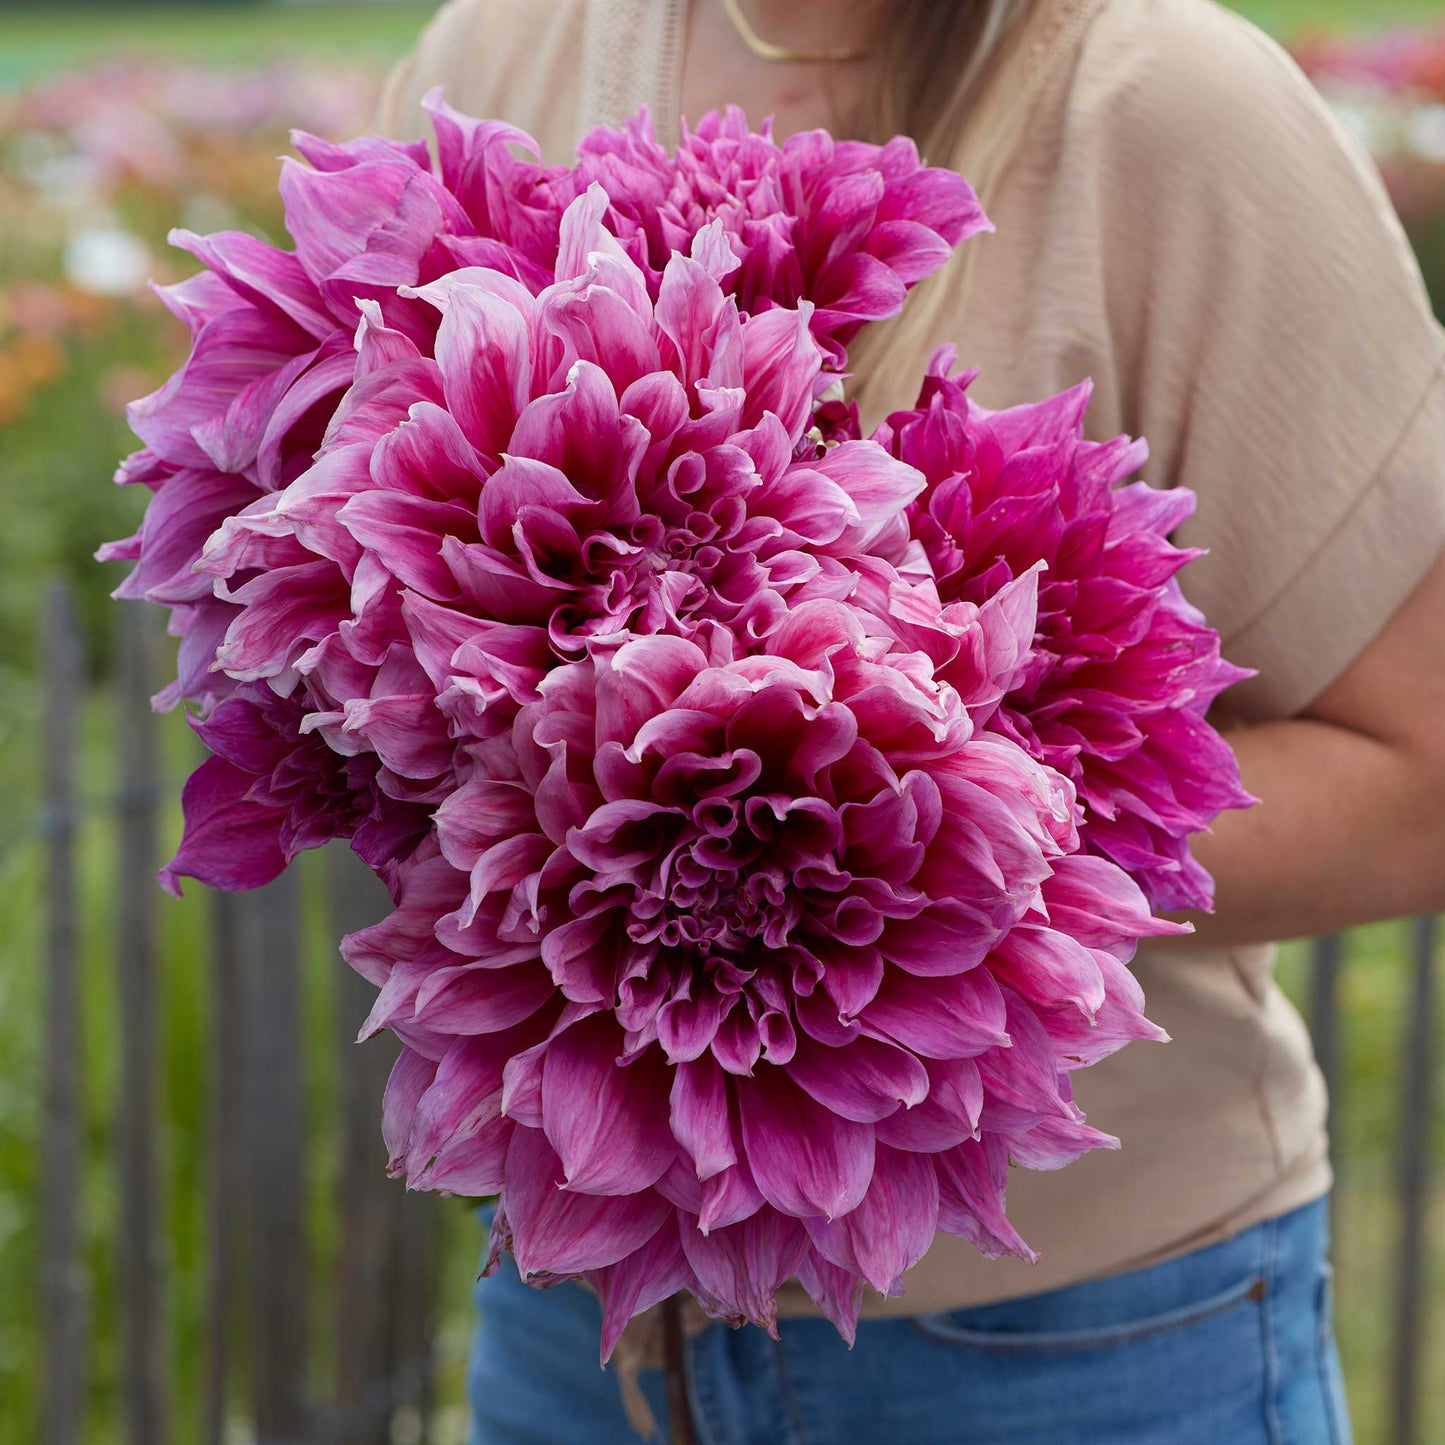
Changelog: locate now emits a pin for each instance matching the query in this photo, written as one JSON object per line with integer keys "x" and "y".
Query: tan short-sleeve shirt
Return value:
{"x": 1184, "y": 223}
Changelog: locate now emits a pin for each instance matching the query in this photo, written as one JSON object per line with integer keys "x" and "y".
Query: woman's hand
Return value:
{"x": 1350, "y": 826}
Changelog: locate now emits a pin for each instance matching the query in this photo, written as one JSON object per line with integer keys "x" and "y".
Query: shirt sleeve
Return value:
{"x": 1272, "y": 338}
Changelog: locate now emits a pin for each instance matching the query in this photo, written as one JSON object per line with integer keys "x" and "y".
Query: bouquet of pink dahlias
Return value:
{"x": 770, "y": 812}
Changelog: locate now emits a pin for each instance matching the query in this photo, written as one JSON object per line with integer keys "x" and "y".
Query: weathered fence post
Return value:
{"x": 64, "y": 1302}
{"x": 142, "y": 1313}
{"x": 268, "y": 960}
{"x": 364, "y": 1194}
{"x": 225, "y": 1174}
{"x": 1326, "y": 960}
{"x": 1415, "y": 1116}
{"x": 414, "y": 1315}
{"x": 383, "y": 1293}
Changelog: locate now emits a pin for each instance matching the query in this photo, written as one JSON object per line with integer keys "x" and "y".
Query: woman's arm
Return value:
{"x": 1350, "y": 826}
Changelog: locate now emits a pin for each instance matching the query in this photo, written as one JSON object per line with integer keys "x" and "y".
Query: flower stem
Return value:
{"x": 674, "y": 1360}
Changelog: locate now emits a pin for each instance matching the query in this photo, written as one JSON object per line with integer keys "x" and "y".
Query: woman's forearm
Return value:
{"x": 1348, "y": 830}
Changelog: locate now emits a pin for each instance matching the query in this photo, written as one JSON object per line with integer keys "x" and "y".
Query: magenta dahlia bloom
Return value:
{"x": 843, "y": 224}
{"x": 580, "y": 463}
{"x": 1115, "y": 688}
{"x": 270, "y": 790}
{"x": 271, "y": 338}
{"x": 750, "y": 968}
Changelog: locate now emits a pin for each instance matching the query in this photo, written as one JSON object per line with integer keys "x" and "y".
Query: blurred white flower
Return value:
{"x": 1365, "y": 116}
{"x": 107, "y": 261}
{"x": 66, "y": 180}
{"x": 1425, "y": 132}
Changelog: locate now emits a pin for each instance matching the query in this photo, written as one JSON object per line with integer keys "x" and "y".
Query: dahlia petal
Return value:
{"x": 279, "y": 607}
{"x": 228, "y": 842}
{"x": 686, "y": 1027}
{"x": 482, "y": 1000}
{"x": 1049, "y": 967}
{"x": 701, "y": 323}
{"x": 406, "y": 534}
{"x": 865, "y": 1082}
{"x": 893, "y": 1225}
{"x": 262, "y": 274}
{"x": 459, "y": 1139}
{"x": 837, "y": 1292}
{"x": 559, "y": 1231}
{"x": 1055, "y": 1143}
{"x": 411, "y": 1076}
{"x": 948, "y": 938}
{"x": 971, "y": 1182}
{"x": 949, "y": 1115}
{"x": 951, "y": 1016}
{"x": 1027, "y": 1075}
{"x": 700, "y": 1115}
{"x": 484, "y": 349}
{"x": 1080, "y": 1042}
{"x": 522, "y": 1086}
{"x": 608, "y": 1123}
{"x": 806, "y": 1159}
{"x": 740, "y": 1269}
{"x": 879, "y": 487}
{"x": 427, "y": 887}
{"x": 729, "y": 1197}
{"x": 644, "y": 1278}
{"x": 781, "y": 361}
{"x": 474, "y": 157}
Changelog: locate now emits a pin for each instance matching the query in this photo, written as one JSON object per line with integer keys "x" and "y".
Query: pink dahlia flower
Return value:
{"x": 845, "y": 225}
{"x": 271, "y": 339}
{"x": 1115, "y": 688}
{"x": 575, "y": 464}
{"x": 750, "y": 967}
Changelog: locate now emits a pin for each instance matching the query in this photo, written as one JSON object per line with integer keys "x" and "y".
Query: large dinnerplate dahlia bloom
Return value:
{"x": 845, "y": 225}
{"x": 574, "y": 464}
{"x": 755, "y": 966}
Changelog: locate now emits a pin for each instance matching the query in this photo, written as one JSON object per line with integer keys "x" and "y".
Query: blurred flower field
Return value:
{"x": 95, "y": 167}
{"x": 1389, "y": 89}
{"x": 98, "y": 159}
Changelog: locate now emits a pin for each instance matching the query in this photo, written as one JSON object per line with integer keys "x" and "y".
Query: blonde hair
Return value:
{"x": 958, "y": 84}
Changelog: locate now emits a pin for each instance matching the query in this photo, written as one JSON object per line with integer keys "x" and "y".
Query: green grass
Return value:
{"x": 1292, "y": 17}
{"x": 36, "y": 40}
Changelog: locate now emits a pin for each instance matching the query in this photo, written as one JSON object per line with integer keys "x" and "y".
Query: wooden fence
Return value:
{"x": 257, "y": 1265}
{"x": 259, "y": 1300}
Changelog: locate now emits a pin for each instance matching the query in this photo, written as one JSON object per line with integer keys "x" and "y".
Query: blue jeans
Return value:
{"x": 1229, "y": 1345}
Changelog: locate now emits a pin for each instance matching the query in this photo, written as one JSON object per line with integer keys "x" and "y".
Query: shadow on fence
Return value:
{"x": 257, "y": 1267}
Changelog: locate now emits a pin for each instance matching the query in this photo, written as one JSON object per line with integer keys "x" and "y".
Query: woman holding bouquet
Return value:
{"x": 1178, "y": 218}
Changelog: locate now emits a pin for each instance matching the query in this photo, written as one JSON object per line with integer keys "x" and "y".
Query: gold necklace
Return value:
{"x": 766, "y": 50}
